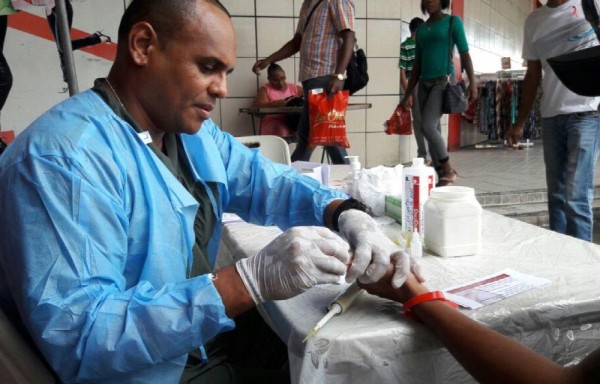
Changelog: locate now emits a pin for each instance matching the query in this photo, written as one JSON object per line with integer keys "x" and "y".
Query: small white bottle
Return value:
{"x": 356, "y": 169}
{"x": 453, "y": 217}
{"x": 416, "y": 247}
{"x": 418, "y": 181}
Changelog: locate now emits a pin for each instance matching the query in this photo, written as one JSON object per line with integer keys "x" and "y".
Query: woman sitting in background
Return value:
{"x": 277, "y": 93}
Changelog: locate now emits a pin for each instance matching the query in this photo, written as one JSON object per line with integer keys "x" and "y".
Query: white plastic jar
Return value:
{"x": 453, "y": 222}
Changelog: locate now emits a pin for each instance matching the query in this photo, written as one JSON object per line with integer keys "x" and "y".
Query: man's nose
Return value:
{"x": 218, "y": 87}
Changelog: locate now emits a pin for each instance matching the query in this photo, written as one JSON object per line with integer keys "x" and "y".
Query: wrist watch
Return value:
{"x": 338, "y": 76}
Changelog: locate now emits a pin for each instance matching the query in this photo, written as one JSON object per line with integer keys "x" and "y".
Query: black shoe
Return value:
{"x": 99, "y": 35}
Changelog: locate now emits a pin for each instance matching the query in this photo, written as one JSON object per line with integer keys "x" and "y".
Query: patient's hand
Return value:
{"x": 383, "y": 288}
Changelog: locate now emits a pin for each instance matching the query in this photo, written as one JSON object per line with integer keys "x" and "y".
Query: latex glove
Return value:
{"x": 403, "y": 265}
{"x": 372, "y": 250}
{"x": 295, "y": 261}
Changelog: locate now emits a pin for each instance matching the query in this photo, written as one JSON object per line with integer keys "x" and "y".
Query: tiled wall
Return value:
{"x": 494, "y": 29}
{"x": 34, "y": 62}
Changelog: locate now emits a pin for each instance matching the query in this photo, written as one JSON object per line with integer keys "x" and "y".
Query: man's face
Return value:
{"x": 188, "y": 74}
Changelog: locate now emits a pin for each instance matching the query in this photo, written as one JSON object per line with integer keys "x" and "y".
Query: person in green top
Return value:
{"x": 431, "y": 69}
{"x": 407, "y": 59}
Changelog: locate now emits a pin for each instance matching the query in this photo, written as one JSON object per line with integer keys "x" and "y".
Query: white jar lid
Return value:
{"x": 452, "y": 192}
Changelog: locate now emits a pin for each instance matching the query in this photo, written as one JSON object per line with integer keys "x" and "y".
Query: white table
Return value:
{"x": 374, "y": 343}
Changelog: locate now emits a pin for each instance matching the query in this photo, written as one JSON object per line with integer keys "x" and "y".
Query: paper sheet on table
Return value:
{"x": 493, "y": 288}
{"x": 317, "y": 171}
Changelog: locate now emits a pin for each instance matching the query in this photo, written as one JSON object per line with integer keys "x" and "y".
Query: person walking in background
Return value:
{"x": 570, "y": 122}
{"x": 6, "y": 78}
{"x": 407, "y": 59}
{"x": 325, "y": 39}
{"x": 51, "y": 16}
{"x": 93, "y": 39}
{"x": 277, "y": 92}
{"x": 431, "y": 71}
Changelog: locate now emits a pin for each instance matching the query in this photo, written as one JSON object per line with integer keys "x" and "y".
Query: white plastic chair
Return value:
{"x": 270, "y": 146}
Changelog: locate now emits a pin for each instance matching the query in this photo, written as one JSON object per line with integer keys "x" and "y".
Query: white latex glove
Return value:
{"x": 295, "y": 261}
{"x": 403, "y": 264}
{"x": 373, "y": 250}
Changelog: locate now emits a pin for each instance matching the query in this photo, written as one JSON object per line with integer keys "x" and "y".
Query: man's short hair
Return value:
{"x": 415, "y": 23}
{"x": 165, "y": 16}
{"x": 444, "y": 3}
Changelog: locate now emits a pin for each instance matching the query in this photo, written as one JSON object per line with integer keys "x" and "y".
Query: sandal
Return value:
{"x": 448, "y": 178}
{"x": 101, "y": 35}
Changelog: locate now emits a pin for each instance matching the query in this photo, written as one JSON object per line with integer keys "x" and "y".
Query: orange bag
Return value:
{"x": 327, "y": 118}
{"x": 400, "y": 123}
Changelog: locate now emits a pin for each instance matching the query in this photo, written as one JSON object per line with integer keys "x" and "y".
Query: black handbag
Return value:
{"x": 357, "y": 75}
{"x": 577, "y": 70}
{"x": 454, "y": 97}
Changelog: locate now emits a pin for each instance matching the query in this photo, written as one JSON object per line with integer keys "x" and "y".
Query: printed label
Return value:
{"x": 145, "y": 136}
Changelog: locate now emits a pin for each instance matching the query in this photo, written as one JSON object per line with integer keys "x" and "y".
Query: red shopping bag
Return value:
{"x": 327, "y": 118}
{"x": 400, "y": 123}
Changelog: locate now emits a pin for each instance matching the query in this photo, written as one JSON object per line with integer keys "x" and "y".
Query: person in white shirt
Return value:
{"x": 570, "y": 122}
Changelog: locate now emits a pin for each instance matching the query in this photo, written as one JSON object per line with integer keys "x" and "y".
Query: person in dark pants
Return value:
{"x": 435, "y": 40}
{"x": 325, "y": 39}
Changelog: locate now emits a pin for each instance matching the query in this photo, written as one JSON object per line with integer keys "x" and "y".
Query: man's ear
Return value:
{"x": 142, "y": 39}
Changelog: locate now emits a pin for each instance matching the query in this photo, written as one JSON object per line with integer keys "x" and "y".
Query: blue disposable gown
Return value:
{"x": 97, "y": 235}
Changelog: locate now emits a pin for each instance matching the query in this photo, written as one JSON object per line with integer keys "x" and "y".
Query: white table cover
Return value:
{"x": 374, "y": 343}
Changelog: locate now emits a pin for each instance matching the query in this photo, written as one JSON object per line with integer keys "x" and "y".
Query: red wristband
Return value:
{"x": 423, "y": 298}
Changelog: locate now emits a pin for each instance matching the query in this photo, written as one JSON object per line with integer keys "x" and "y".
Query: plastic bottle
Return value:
{"x": 356, "y": 168}
{"x": 416, "y": 247}
{"x": 418, "y": 181}
{"x": 453, "y": 217}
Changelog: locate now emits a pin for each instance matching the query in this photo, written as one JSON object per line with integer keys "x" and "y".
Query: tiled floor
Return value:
{"x": 509, "y": 173}
{"x": 501, "y": 169}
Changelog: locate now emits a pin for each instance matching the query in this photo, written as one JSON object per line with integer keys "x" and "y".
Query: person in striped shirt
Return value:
{"x": 325, "y": 39}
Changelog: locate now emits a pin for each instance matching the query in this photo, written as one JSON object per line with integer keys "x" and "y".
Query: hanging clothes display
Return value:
{"x": 497, "y": 107}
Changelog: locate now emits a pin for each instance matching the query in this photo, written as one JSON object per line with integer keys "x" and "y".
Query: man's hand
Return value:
{"x": 260, "y": 65}
{"x": 513, "y": 135}
{"x": 472, "y": 93}
{"x": 335, "y": 85}
{"x": 372, "y": 250}
{"x": 295, "y": 261}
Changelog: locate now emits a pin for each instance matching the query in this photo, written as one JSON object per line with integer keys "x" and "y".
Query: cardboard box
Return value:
{"x": 393, "y": 207}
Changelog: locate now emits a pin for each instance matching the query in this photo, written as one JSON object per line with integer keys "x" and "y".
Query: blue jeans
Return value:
{"x": 570, "y": 151}
{"x": 303, "y": 152}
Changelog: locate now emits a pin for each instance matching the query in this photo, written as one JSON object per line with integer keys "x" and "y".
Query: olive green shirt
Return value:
{"x": 173, "y": 156}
